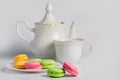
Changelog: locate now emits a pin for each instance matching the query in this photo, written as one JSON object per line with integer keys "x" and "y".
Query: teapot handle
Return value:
{"x": 18, "y": 32}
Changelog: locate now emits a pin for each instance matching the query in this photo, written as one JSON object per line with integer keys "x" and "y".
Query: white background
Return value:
{"x": 99, "y": 23}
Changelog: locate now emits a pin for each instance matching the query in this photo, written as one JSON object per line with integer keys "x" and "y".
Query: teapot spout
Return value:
{"x": 72, "y": 32}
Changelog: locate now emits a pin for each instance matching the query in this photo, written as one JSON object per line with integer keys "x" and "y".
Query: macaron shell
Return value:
{"x": 48, "y": 66}
{"x": 57, "y": 75}
{"x": 70, "y": 68}
{"x": 35, "y": 59}
{"x": 47, "y": 61}
{"x": 20, "y": 57}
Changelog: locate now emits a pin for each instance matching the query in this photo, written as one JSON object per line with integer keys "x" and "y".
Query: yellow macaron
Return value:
{"x": 20, "y": 64}
{"x": 20, "y": 57}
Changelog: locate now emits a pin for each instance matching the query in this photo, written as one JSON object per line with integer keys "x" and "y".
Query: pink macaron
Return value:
{"x": 32, "y": 65}
{"x": 70, "y": 68}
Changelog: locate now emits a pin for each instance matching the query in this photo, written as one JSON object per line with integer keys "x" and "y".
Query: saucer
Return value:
{"x": 10, "y": 66}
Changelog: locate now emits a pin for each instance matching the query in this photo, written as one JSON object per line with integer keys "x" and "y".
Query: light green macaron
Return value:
{"x": 35, "y": 59}
{"x": 56, "y": 72}
{"x": 47, "y": 63}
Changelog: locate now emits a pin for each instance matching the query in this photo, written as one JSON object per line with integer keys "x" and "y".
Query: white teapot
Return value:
{"x": 45, "y": 32}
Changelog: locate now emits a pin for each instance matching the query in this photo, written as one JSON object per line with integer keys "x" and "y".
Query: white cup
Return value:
{"x": 70, "y": 50}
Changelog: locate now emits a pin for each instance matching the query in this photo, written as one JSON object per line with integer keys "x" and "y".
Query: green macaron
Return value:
{"x": 47, "y": 63}
{"x": 35, "y": 59}
{"x": 56, "y": 72}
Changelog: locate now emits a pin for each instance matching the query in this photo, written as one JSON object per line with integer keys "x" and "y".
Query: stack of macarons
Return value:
{"x": 60, "y": 72}
{"x": 33, "y": 65}
{"x": 22, "y": 61}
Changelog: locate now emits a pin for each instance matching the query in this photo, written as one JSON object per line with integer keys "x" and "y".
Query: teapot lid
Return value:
{"x": 49, "y": 18}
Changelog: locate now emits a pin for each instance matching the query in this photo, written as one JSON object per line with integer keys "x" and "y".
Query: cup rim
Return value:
{"x": 64, "y": 42}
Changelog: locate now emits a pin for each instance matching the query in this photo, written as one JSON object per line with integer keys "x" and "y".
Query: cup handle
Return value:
{"x": 90, "y": 47}
{"x": 18, "y": 32}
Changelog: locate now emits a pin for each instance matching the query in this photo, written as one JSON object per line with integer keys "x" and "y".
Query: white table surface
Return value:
{"x": 88, "y": 69}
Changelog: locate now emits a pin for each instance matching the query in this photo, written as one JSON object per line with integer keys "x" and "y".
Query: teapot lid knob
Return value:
{"x": 49, "y": 18}
{"x": 49, "y": 8}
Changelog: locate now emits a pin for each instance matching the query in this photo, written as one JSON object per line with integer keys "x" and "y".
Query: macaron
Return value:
{"x": 35, "y": 59}
{"x": 70, "y": 68}
{"x": 47, "y": 63}
{"x": 19, "y": 64}
{"x": 32, "y": 65}
{"x": 20, "y": 57}
{"x": 56, "y": 72}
